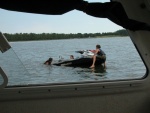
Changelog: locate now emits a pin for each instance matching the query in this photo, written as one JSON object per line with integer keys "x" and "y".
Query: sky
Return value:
{"x": 71, "y": 22}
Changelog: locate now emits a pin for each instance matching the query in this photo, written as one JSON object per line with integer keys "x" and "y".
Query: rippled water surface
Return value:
{"x": 123, "y": 61}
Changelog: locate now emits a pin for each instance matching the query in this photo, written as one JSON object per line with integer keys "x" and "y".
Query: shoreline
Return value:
{"x": 72, "y": 38}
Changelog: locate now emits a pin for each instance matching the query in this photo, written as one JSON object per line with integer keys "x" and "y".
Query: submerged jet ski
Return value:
{"x": 85, "y": 60}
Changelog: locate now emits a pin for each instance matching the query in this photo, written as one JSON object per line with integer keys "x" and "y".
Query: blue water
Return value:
{"x": 24, "y": 62}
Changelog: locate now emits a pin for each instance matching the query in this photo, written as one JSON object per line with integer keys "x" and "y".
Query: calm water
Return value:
{"x": 123, "y": 61}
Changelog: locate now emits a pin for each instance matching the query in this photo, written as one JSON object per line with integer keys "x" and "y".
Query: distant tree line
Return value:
{"x": 52, "y": 36}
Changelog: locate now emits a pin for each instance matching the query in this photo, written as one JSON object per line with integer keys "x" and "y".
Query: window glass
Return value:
{"x": 13, "y": 68}
{"x": 35, "y": 38}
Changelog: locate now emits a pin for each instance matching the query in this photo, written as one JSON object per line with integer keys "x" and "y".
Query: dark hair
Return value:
{"x": 98, "y": 46}
{"x": 72, "y": 56}
{"x": 49, "y": 61}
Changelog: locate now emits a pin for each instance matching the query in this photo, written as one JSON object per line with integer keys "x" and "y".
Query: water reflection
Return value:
{"x": 99, "y": 70}
{"x": 121, "y": 64}
{"x": 96, "y": 71}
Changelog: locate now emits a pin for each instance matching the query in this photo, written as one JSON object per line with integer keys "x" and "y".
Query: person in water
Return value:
{"x": 71, "y": 57}
{"x": 100, "y": 54}
{"x": 48, "y": 62}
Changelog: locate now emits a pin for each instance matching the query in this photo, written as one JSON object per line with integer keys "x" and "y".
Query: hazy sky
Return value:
{"x": 71, "y": 22}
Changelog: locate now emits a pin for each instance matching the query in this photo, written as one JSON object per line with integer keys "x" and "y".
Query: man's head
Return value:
{"x": 98, "y": 46}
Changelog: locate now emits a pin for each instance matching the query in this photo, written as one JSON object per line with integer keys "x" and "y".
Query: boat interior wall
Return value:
{"x": 147, "y": 4}
{"x": 126, "y": 96}
{"x": 139, "y": 10}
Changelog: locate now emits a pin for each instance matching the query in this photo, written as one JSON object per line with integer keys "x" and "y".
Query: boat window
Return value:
{"x": 35, "y": 38}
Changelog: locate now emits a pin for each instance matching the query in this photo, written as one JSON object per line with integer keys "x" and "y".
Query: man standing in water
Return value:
{"x": 99, "y": 53}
